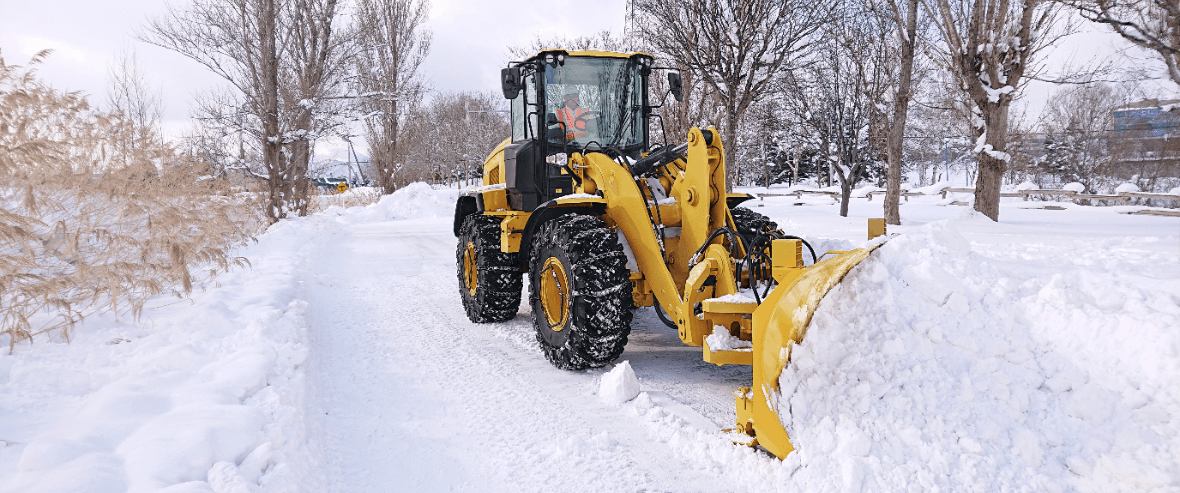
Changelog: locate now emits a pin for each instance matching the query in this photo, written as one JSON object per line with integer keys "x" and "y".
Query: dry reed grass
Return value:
{"x": 354, "y": 197}
{"x": 98, "y": 214}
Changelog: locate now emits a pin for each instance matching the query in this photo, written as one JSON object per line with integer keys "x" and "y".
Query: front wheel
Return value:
{"x": 580, "y": 292}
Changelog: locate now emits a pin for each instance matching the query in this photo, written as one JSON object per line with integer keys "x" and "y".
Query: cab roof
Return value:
{"x": 591, "y": 53}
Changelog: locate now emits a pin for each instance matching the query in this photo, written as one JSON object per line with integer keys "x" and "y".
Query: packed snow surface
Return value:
{"x": 1040, "y": 353}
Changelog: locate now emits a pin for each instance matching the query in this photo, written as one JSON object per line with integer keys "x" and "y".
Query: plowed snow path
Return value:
{"x": 407, "y": 395}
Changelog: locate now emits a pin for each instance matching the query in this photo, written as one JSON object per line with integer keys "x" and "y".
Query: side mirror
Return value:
{"x": 676, "y": 86}
{"x": 510, "y": 82}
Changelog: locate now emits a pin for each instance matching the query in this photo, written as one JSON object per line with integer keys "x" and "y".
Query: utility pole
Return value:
{"x": 765, "y": 165}
{"x": 946, "y": 151}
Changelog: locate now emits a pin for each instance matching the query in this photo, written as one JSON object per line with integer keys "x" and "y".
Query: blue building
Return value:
{"x": 1150, "y": 118}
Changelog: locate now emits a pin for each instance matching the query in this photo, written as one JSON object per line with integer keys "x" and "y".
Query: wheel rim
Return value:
{"x": 555, "y": 294}
{"x": 470, "y": 268}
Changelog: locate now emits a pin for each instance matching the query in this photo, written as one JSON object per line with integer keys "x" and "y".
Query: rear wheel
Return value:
{"x": 580, "y": 292}
{"x": 489, "y": 280}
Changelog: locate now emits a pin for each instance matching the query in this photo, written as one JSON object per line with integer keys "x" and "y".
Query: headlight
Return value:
{"x": 549, "y": 59}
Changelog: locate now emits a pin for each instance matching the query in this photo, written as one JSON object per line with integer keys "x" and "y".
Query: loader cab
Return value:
{"x": 566, "y": 102}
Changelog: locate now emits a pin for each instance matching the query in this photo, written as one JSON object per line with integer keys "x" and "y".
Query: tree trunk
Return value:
{"x": 845, "y": 193}
{"x": 272, "y": 154}
{"x": 992, "y": 164}
{"x": 385, "y": 162}
{"x": 730, "y": 141}
{"x": 901, "y": 105}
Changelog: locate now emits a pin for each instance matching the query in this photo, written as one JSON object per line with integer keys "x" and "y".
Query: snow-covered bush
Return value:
{"x": 1126, "y": 187}
{"x": 96, "y": 214}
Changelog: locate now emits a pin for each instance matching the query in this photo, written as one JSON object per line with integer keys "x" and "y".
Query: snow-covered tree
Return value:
{"x": 739, "y": 48}
{"x": 991, "y": 48}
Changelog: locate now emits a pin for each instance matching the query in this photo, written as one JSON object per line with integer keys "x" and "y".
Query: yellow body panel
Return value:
{"x": 495, "y": 200}
{"x": 512, "y": 224}
{"x": 728, "y": 306}
{"x": 722, "y": 358}
{"x": 493, "y": 166}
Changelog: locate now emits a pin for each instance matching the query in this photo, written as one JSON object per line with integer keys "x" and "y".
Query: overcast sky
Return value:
{"x": 468, "y": 49}
{"x": 469, "y": 43}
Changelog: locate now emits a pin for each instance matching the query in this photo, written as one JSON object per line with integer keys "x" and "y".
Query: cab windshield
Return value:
{"x": 596, "y": 102}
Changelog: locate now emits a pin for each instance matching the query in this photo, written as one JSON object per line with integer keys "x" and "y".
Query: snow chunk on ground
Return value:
{"x": 619, "y": 385}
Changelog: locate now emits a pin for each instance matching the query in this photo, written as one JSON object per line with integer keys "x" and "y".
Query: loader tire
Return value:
{"x": 489, "y": 281}
{"x": 580, "y": 292}
{"x": 750, "y": 224}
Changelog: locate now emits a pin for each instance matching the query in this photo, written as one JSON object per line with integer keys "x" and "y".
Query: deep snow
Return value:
{"x": 1040, "y": 353}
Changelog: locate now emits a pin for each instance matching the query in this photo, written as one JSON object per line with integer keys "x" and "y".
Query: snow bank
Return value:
{"x": 414, "y": 201}
{"x": 1075, "y": 187}
{"x": 863, "y": 192}
{"x": 198, "y": 396}
{"x": 935, "y": 367}
{"x": 933, "y": 189}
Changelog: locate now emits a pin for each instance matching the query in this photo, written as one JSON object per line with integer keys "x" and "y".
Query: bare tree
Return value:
{"x": 991, "y": 48}
{"x": 739, "y": 48}
{"x": 1150, "y": 24}
{"x": 136, "y": 111}
{"x": 393, "y": 44}
{"x": 318, "y": 54}
{"x": 604, "y": 40}
{"x": 448, "y": 138}
{"x": 1076, "y": 120}
{"x": 906, "y": 23}
{"x": 838, "y": 96}
{"x": 278, "y": 56}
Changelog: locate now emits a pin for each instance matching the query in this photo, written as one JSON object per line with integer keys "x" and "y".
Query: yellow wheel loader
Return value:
{"x": 601, "y": 221}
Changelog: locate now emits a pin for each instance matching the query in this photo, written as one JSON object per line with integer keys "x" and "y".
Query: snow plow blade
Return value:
{"x": 779, "y": 323}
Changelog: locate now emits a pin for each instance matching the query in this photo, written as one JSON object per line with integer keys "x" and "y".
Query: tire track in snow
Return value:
{"x": 406, "y": 394}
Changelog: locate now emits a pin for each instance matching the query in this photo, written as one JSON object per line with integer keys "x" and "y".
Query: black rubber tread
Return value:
{"x": 751, "y": 224}
{"x": 600, "y": 319}
{"x": 499, "y": 281}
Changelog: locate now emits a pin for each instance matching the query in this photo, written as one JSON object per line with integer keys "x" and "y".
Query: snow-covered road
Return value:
{"x": 407, "y": 394}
